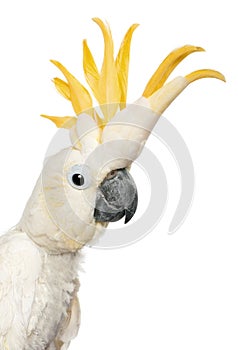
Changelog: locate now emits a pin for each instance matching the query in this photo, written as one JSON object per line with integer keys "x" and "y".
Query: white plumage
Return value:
{"x": 37, "y": 298}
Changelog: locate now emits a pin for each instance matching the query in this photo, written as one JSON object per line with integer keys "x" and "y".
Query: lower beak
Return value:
{"x": 116, "y": 197}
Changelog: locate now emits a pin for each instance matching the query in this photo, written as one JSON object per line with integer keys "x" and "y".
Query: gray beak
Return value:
{"x": 116, "y": 197}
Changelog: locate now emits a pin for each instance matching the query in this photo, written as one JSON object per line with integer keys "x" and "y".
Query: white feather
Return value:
{"x": 36, "y": 289}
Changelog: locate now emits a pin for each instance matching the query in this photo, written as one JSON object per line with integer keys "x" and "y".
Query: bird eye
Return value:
{"x": 79, "y": 177}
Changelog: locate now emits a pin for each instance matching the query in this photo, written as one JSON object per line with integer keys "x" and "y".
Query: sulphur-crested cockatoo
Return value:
{"x": 80, "y": 190}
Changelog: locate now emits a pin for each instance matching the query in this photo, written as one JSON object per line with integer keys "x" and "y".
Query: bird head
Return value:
{"x": 87, "y": 185}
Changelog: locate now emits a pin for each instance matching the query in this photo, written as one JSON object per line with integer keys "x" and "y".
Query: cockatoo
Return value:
{"x": 80, "y": 190}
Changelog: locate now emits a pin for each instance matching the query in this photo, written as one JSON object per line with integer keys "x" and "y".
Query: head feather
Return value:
{"x": 109, "y": 84}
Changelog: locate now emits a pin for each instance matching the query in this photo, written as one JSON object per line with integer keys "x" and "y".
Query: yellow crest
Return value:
{"x": 109, "y": 85}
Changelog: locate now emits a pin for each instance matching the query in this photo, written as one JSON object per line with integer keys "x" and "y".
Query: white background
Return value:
{"x": 165, "y": 292}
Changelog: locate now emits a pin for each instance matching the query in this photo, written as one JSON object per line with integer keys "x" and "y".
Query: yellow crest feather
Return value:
{"x": 167, "y": 66}
{"x": 62, "y": 87}
{"x": 90, "y": 70}
{"x": 204, "y": 73}
{"x": 122, "y": 63}
{"x": 61, "y": 122}
{"x": 108, "y": 87}
{"x": 79, "y": 95}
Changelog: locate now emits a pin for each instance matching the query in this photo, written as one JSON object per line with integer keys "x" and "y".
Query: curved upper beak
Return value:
{"x": 116, "y": 197}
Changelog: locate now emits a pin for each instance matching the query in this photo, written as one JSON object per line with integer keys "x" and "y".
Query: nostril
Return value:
{"x": 112, "y": 174}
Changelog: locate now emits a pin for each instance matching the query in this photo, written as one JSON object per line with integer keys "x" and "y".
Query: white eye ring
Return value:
{"x": 79, "y": 177}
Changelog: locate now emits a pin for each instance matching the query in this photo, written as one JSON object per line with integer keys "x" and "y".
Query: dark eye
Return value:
{"x": 79, "y": 177}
